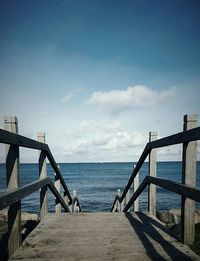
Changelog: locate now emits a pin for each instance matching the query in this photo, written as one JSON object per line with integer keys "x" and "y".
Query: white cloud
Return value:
{"x": 99, "y": 139}
{"x": 133, "y": 97}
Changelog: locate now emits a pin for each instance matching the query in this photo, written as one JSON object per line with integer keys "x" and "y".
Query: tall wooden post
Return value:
{"x": 188, "y": 178}
{"x": 127, "y": 198}
{"x": 118, "y": 203}
{"x": 13, "y": 182}
{"x": 135, "y": 187}
{"x": 152, "y": 172}
{"x": 57, "y": 203}
{"x": 43, "y": 174}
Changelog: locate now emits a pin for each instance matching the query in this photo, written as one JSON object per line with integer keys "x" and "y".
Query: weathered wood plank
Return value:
{"x": 102, "y": 236}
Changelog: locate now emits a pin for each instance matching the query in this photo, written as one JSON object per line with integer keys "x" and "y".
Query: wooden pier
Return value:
{"x": 119, "y": 235}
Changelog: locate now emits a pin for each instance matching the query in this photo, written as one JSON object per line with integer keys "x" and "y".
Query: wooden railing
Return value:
{"x": 12, "y": 199}
{"x": 187, "y": 189}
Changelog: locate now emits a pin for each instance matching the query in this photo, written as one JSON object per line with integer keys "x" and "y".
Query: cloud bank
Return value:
{"x": 139, "y": 96}
{"x": 102, "y": 139}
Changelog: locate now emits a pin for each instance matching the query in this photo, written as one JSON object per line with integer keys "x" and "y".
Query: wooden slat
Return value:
{"x": 19, "y": 140}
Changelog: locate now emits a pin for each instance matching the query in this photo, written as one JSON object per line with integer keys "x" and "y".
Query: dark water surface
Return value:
{"x": 97, "y": 183}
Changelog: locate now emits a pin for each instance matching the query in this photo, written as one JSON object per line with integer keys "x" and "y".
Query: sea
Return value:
{"x": 96, "y": 184}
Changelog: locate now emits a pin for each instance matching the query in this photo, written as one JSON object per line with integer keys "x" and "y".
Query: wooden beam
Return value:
{"x": 13, "y": 182}
{"x": 188, "y": 178}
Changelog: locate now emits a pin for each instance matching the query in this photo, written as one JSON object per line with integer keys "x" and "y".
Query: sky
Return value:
{"x": 97, "y": 76}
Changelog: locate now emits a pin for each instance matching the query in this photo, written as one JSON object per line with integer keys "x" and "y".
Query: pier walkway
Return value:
{"x": 102, "y": 236}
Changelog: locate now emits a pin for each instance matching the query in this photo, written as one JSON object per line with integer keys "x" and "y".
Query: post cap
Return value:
{"x": 190, "y": 117}
{"x": 10, "y": 119}
{"x": 153, "y": 133}
{"x": 41, "y": 137}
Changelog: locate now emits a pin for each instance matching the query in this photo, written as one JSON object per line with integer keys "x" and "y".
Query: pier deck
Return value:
{"x": 102, "y": 236}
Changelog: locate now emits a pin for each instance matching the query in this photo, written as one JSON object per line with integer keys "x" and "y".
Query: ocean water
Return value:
{"x": 97, "y": 183}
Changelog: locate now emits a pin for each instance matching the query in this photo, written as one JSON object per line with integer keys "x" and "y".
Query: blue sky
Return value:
{"x": 97, "y": 76}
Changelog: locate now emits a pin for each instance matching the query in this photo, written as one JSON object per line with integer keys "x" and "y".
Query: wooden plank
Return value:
{"x": 19, "y": 140}
{"x": 13, "y": 182}
{"x": 152, "y": 173}
{"x": 102, "y": 236}
{"x": 189, "y": 178}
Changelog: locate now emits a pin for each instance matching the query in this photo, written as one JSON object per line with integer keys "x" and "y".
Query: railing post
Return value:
{"x": 57, "y": 203}
{"x": 43, "y": 174}
{"x": 118, "y": 203}
{"x": 127, "y": 198}
{"x": 188, "y": 178}
{"x": 73, "y": 200}
{"x": 152, "y": 172}
{"x": 12, "y": 172}
{"x": 135, "y": 187}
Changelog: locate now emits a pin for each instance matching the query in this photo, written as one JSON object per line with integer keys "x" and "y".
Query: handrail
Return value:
{"x": 22, "y": 141}
{"x": 189, "y": 193}
{"x": 8, "y": 137}
{"x": 181, "y": 137}
{"x": 181, "y": 189}
{"x": 14, "y": 196}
